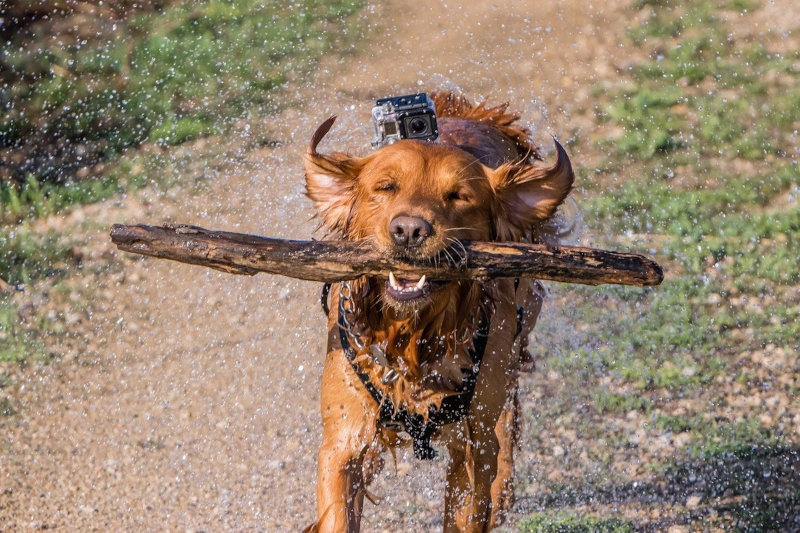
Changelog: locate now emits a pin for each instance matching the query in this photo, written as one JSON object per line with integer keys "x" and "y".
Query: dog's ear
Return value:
{"x": 331, "y": 181}
{"x": 528, "y": 194}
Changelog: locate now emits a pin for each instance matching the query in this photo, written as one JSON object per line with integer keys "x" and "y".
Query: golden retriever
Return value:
{"x": 413, "y": 359}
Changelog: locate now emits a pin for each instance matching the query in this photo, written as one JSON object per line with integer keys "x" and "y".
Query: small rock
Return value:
{"x": 5, "y": 287}
{"x": 694, "y": 501}
{"x": 555, "y": 476}
{"x": 403, "y": 468}
{"x": 276, "y": 465}
{"x": 681, "y": 439}
{"x": 714, "y": 299}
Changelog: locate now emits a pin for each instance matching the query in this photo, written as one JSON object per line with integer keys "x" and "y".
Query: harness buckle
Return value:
{"x": 390, "y": 377}
{"x": 393, "y": 425}
{"x": 378, "y": 352}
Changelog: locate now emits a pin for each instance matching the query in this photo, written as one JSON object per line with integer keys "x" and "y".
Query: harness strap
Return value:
{"x": 323, "y": 299}
{"x": 520, "y": 309}
{"x": 453, "y": 408}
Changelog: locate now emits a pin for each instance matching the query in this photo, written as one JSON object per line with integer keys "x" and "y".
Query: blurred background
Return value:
{"x": 137, "y": 394}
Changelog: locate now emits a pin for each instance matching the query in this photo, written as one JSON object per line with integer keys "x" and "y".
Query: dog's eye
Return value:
{"x": 387, "y": 186}
{"x": 453, "y": 196}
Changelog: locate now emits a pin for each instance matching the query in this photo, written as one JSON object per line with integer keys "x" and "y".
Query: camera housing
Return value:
{"x": 404, "y": 117}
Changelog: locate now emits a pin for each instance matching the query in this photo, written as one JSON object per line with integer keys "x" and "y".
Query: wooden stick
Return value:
{"x": 332, "y": 261}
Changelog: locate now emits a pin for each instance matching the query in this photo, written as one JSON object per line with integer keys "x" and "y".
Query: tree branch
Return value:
{"x": 332, "y": 261}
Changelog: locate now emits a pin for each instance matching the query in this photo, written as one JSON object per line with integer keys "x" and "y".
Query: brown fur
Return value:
{"x": 479, "y": 182}
{"x": 456, "y": 106}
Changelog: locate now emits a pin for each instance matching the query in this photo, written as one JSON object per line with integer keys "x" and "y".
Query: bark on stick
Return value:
{"x": 331, "y": 261}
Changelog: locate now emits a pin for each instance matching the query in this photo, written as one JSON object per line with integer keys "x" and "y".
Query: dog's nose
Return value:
{"x": 409, "y": 231}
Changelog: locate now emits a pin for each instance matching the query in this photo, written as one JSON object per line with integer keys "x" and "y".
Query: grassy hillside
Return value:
{"x": 79, "y": 89}
{"x": 686, "y": 394}
{"x": 90, "y": 98}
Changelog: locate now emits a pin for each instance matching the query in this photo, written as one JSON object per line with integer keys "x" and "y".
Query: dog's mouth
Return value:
{"x": 410, "y": 289}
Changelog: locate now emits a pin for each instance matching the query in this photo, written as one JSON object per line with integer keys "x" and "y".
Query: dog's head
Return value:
{"x": 416, "y": 199}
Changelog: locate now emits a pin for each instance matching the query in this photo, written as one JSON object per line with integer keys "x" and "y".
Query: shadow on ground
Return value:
{"x": 751, "y": 489}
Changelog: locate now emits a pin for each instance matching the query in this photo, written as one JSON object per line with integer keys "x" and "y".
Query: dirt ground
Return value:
{"x": 189, "y": 402}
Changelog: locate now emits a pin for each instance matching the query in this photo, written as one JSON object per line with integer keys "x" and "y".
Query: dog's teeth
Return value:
{"x": 421, "y": 282}
{"x": 393, "y": 280}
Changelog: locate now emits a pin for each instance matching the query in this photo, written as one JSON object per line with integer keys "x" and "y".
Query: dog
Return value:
{"x": 410, "y": 359}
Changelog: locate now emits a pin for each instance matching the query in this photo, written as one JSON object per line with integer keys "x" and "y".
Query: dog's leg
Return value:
{"x": 530, "y": 296}
{"x": 507, "y": 431}
{"x": 472, "y": 467}
{"x": 348, "y": 442}
{"x": 480, "y": 488}
{"x": 474, "y": 447}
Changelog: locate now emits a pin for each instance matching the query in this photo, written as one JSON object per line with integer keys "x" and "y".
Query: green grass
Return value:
{"x": 167, "y": 76}
{"x": 705, "y": 93}
{"x": 163, "y": 77}
{"x": 608, "y": 402}
{"x": 701, "y": 174}
{"x": 26, "y": 256}
{"x": 714, "y": 438}
{"x": 20, "y": 343}
{"x": 32, "y": 199}
{"x": 741, "y": 439}
{"x": 700, "y": 101}
{"x": 729, "y": 245}
{"x": 723, "y": 238}
{"x": 566, "y": 522}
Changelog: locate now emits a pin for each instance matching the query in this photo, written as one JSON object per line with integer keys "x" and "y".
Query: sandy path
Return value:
{"x": 193, "y": 406}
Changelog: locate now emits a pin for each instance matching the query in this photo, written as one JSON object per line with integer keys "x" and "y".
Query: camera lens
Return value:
{"x": 418, "y": 126}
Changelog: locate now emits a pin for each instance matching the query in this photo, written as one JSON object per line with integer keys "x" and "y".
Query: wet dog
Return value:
{"x": 411, "y": 359}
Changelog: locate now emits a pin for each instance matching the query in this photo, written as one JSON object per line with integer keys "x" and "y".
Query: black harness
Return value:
{"x": 453, "y": 408}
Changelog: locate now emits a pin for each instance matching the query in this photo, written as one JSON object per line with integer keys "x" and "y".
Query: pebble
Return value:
{"x": 677, "y": 529}
{"x": 693, "y": 502}
{"x": 403, "y": 468}
{"x": 5, "y": 287}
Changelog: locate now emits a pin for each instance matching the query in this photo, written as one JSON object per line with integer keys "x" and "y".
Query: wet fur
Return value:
{"x": 481, "y": 181}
